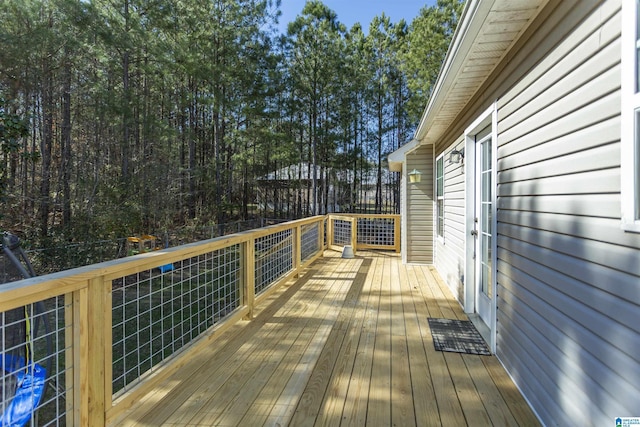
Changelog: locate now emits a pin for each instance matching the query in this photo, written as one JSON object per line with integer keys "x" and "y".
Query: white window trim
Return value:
{"x": 439, "y": 198}
{"x": 629, "y": 167}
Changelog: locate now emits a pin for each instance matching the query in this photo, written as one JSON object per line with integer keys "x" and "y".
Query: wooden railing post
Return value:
{"x": 322, "y": 244}
{"x": 297, "y": 249}
{"x": 354, "y": 234}
{"x": 248, "y": 289}
{"x": 95, "y": 354}
{"x": 396, "y": 233}
{"x": 75, "y": 314}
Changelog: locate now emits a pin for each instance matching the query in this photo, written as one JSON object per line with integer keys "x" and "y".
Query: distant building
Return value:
{"x": 290, "y": 190}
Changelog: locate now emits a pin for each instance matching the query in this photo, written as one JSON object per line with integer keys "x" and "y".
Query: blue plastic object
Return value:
{"x": 31, "y": 381}
{"x": 166, "y": 268}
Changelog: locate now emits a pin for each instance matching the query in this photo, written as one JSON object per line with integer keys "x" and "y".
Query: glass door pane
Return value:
{"x": 486, "y": 207}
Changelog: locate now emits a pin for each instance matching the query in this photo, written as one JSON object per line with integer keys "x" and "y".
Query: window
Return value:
{"x": 630, "y": 120}
{"x": 440, "y": 195}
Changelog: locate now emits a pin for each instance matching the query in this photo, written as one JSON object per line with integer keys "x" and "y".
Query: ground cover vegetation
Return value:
{"x": 123, "y": 117}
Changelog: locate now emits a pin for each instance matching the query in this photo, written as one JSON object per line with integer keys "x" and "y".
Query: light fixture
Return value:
{"x": 415, "y": 176}
{"x": 456, "y": 156}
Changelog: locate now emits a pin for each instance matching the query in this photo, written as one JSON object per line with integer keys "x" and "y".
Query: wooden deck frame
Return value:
{"x": 346, "y": 343}
{"x": 88, "y": 313}
{"x": 334, "y": 342}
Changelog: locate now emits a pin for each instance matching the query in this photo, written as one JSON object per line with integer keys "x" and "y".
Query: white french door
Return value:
{"x": 484, "y": 233}
{"x": 480, "y": 218}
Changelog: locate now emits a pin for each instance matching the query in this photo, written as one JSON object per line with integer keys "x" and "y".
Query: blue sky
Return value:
{"x": 351, "y": 11}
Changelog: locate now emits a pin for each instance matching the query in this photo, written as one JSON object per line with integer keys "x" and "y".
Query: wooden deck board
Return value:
{"x": 355, "y": 405}
{"x": 496, "y": 407}
{"x": 348, "y": 343}
{"x": 402, "y": 406}
{"x": 379, "y": 410}
{"x": 449, "y": 408}
{"x": 228, "y": 379}
{"x": 230, "y": 402}
{"x": 424, "y": 399}
{"x": 349, "y": 324}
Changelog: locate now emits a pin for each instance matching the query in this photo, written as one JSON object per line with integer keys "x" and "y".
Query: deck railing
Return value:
{"x": 363, "y": 231}
{"x": 119, "y": 327}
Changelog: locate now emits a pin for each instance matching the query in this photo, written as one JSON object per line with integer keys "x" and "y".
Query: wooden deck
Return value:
{"x": 348, "y": 343}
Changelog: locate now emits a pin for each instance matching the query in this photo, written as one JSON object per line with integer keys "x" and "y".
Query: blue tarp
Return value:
{"x": 30, "y": 381}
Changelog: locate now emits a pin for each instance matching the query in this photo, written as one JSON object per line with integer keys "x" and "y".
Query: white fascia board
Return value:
{"x": 473, "y": 17}
{"x": 398, "y": 157}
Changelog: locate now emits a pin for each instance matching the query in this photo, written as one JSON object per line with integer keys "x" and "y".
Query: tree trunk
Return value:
{"x": 126, "y": 111}
{"x": 379, "y": 154}
{"x": 192, "y": 158}
{"x": 45, "y": 150}
{"x": 65, "y": 144}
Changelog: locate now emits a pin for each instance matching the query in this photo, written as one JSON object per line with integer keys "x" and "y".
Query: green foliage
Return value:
{"x": 13, "y": 129}
{"x": 429, "y": 36}
{"x": 138, "y": 115}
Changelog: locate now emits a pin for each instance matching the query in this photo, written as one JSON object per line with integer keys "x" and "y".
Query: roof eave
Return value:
{"x": 477, "y": 16}
{"x": 396, "y": 159}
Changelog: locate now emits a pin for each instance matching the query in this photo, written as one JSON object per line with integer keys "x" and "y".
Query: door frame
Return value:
{"x": 488, "y": 118}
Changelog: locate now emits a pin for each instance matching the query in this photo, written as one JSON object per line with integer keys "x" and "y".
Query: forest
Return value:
{"x": 120, "y": 117}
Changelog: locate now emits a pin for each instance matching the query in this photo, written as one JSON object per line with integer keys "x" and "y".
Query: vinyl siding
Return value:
{"x": 568, "y": 276}
{"x": 449, "y": 257}
{"x": 419, "y": 197}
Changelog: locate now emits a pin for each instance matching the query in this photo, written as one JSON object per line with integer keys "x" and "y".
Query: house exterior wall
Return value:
{"x": 568, "y": 276}
{"x": 450, "y": 248}
{"x": 419, "y": 200}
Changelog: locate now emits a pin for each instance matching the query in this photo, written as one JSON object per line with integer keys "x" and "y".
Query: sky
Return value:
{"x": 351, "y": 11}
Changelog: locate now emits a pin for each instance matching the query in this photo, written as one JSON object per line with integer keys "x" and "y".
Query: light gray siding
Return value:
{"x": 419, "y": 197}
{"x": 449, "y": 257}
{"x": 568, "y": 276}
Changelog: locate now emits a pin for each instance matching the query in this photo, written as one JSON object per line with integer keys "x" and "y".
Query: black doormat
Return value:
{"x": 458, "y": 336}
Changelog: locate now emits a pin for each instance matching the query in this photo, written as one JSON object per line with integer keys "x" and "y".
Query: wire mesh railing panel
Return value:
{"x": 273, "y": 258}
{"x": 376, "y": 231}
{"x": 156, "y": 313}
{"x": 309, "y": 240}
{"x": 341, "y": 232}
{"x": 36, "y": 379}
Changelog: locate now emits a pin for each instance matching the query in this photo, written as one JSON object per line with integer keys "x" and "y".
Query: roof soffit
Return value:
{"x": 488, "y": 29}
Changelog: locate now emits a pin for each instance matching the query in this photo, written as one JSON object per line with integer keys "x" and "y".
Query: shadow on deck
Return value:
{"x": 347, "y": 343}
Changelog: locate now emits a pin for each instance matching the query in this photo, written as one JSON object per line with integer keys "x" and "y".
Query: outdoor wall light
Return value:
{"x": 456, "y": 156}
{"x": 415, "y": 176}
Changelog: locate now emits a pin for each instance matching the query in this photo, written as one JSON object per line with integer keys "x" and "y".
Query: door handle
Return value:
{"x": 474, "y": 233}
